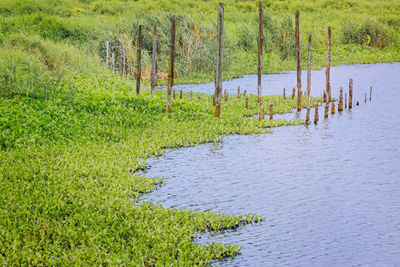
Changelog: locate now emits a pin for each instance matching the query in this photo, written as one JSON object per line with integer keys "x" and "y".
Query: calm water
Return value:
{"x": 330, "y": 193}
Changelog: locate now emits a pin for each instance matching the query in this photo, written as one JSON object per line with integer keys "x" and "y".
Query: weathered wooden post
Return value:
{"x": 262, "y": 113}
{"x": 180, "y": 94}
{"x": 128, "y": 67}
{"x": 238, "y": 94}
{"x": 326, "y": 109}
{"x": 298, "y": 53}
{"x": 345, "y": 100}
{"x": 293, "y": 92}
{"x": 123, "y": 62}
{"x": 330, "y": 93}
{"x": 350, "y": 93}
{"x": 247, "y": 102}
{"x": 370, "y": 93}
{"x": 225, "y": 95}
{"x": 340, "y": 105}
{"x": 138, "y": 60}
{"x": 333, "y": 108}
{"x": 171, "y": 65}
{"x": 324, "y": 98}
{"x": 284, "y": 93}
{"x": 173, "y": 93}
{"x": 107, "y": 52}
{"x": 316, "y": 114}
{"x": 271, "y": 111}
{"x": 218, "y": 87}
{"x": 113, "y": 62}
{"x": 308, "y": 79}
{"x": 328, "y": 66}
{"x": 260, "y": 41}
{"x": 154, "y": 61}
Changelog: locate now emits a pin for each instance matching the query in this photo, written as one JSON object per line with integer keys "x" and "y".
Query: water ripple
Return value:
{"x": 330, "y": 192}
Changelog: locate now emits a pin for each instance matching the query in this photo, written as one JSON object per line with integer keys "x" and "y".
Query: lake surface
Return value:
{"x": 330, "y": 193}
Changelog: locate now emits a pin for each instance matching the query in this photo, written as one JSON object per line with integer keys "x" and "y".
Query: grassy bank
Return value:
{"x": 374, "y": 28}
{"x": 70, "y": 147}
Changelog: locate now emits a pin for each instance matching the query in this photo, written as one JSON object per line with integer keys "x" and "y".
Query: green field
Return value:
{"x": 73, "y": 134}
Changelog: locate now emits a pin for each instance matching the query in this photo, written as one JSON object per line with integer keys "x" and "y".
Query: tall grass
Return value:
{"x": 79, "y": 23}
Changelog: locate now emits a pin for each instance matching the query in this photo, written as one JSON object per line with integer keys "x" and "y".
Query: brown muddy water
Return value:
{"x": 330, "y": 193}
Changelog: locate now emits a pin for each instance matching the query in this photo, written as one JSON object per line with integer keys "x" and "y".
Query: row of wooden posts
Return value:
{"x": 219, "y": 63}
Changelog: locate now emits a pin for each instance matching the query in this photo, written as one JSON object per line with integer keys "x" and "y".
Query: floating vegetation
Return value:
{"x": 68, "y": 169}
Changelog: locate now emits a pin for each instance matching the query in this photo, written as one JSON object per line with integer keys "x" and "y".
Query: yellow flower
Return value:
{"x": 367, "y": 39}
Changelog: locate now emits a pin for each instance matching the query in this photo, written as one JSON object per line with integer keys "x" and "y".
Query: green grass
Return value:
{"x": 68, "y": 168}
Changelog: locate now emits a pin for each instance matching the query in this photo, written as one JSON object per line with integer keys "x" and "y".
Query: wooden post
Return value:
{"x": 365, "y": 99}
{"x": 238, "y": 95}
{"x": 316, "y": 114}
{"x": 308, "y": 79}
{"x": 326, "y": 109}
{"x": 358, "y": 103}
{"x": 218, "y": 87}
{"x": 123, "y": 63}
{"x": 333, "y": 108}
{"x": 107, "y": 52}
{"x": 271, "y": 111}
{"x": 340, "y": 106}
{"x": 128, "y": 67}
{"x": 324, "y": 98}
{"x": 262, "y": 113}
{"x": 245, "y": 93}
{"x": 154, "y": 61}
{"x": 330, "y": 93}
{"x": 293, "y": 92}
{"x": 173, "y": 93}
{"x": 247, "y": 102}
{"x": 299, "y": 97}
{"x": 180, "y": 94}
{"x": 138, "y": 60}
{"x": 284, "y": 93}
{"x": 113, "y": 62}
{"x": 328, "y": 65}
{"x": 298, "y": 53}
{"x": 225, "y": 95}
{"x": 260, "y": 41}
{"x": 345, "y": 100}
{"x": 350, "y": 93}
{"x": 171, "y": 65}
{"x": 370, "y": 93}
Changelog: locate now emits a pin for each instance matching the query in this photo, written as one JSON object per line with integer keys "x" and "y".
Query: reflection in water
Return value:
{"x": 330, "y": 192}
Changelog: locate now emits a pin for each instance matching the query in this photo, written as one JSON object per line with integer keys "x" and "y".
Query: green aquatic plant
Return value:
{"x": 68, "y": 170}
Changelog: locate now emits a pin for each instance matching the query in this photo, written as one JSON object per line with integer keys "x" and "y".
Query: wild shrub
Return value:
{"x": 368, "y": 32}
{"x": 195, "y": 46}
{"x": 287, "y": 38}
{"x": 24, "y": 74}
